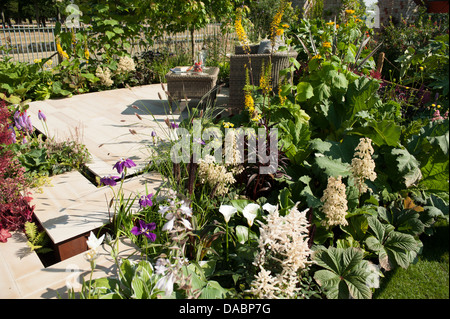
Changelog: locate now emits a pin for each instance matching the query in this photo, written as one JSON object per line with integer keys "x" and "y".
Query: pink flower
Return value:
{"x": 4, "y": 235}
{"x": 437, "y": 116}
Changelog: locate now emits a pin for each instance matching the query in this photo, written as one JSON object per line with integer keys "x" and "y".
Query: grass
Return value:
{"x": 428, "y": 278}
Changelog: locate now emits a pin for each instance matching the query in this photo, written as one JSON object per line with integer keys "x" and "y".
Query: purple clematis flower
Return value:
{"x": 145, "y": 201}
{"x": 122, "y": 164}
{"x": 144, "y": 229}
{"x": 109, "y": 180}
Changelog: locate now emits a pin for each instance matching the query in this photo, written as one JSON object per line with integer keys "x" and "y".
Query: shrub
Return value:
{"x": 15, "y": 208}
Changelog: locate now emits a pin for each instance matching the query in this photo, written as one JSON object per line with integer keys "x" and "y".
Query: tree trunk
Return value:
{"x": 19, "y": 11}
{"x": 37, "y": 12}
{"x": 2, "y": 16}
{"x": 192, "y": 45}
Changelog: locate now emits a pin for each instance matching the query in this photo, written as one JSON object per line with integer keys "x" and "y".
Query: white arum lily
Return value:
{"x": 250, "y": 212}
{"x": 270, "y": 208}
{"x": 227, "y": 211}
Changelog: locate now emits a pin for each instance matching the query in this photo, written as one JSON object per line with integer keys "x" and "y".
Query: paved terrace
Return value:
{"x": 106, "y": 122}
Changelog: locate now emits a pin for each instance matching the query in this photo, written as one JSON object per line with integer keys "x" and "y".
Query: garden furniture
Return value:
{"x": 238, "y": 62}
{"x": 192, "y": 85}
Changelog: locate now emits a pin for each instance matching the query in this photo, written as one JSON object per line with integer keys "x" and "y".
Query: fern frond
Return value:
{"x": 31, "y": 231}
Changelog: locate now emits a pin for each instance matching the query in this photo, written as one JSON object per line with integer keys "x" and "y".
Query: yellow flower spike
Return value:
{"x": 63, "y": 54}
{"x": 274, "y": 26}
{"x": 256, "y": 118}
{"x": 227, "y": 124}
{"x": 279, "y": 32}
{"x": 249, "y": 102}
{"x": 242, "y": 35}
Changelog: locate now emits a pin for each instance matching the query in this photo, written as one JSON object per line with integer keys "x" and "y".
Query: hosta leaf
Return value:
{"x": 213, "y": 290}
{"x": 137, "y": 284}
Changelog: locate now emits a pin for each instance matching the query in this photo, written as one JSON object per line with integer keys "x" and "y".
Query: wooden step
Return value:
{"x": 73, "y": 207}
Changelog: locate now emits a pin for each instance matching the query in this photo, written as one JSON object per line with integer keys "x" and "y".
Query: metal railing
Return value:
{"x": 28, "y": 43}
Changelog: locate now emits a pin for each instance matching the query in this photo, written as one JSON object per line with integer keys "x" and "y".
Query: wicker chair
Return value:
{"x": 238, "y": 62}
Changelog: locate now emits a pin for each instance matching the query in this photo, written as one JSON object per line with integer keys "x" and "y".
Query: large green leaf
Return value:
{"x": 343, "y": 277}
{"x": 435, "y": 173}
{"x": 361, "y": 96}
{"x": 393, "y": 248}
{"x": 334, "y": 157}
{"x": 304, "y": 91}
{"x": 385, "y": 132}
{"x": 407, "y": 167}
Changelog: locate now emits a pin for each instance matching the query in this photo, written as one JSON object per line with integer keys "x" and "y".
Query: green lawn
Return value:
{"x": 428, "y": 278}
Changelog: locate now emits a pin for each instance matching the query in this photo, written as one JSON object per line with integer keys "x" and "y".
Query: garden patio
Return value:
{"x": 72, "y": 206}
{"x": 310, "y": 159}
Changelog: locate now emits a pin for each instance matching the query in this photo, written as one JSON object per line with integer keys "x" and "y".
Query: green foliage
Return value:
{"x": 392, "y": 247}
{"x": 345, "y": 274}
{"x": 37, "y": 241}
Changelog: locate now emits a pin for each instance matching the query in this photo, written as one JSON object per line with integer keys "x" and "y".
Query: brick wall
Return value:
{"x": 388, "y": 8}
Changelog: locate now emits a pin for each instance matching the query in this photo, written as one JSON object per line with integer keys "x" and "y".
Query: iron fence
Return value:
{"x": 28, "y": 43}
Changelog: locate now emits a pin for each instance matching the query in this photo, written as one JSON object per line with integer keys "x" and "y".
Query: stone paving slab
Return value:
{"x": 72, "y": 205}
{"x": 22, "y": 275}
{"x": 102, "y": 121}
{"x": 16, "y": 262}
